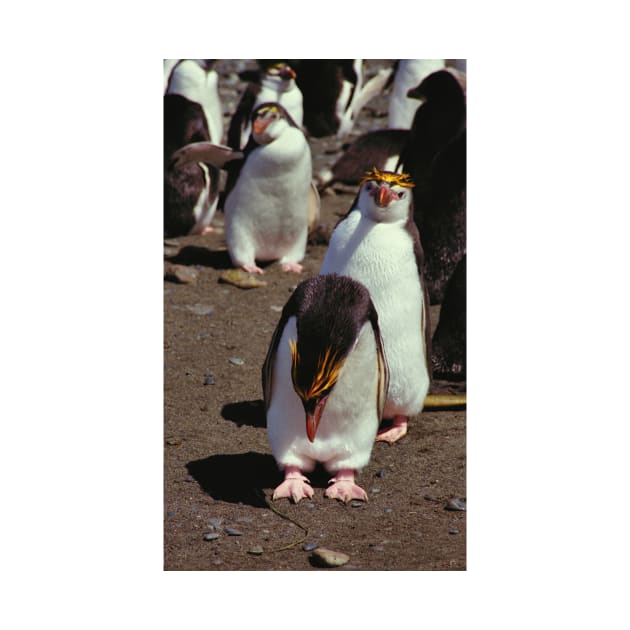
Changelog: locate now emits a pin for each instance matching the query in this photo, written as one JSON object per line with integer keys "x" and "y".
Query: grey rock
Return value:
{"x": 311, "y": 546}
{"x": 200, "y": 309}
{"x": 329, "y": 558}
{"x": 236, "y": 361}
{"x": 456, "y": 505}
{"x": 209, "y": 380}
{"x": 210, "y": 536}
{"x": 230, "y": 531}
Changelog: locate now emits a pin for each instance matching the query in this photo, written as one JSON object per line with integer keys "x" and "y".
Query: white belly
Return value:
{"x": 381, "y": 256}
{"x": 349, "y": 423}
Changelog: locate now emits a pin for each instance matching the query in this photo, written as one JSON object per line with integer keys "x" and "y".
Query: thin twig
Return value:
{"x": 288, "y": 518}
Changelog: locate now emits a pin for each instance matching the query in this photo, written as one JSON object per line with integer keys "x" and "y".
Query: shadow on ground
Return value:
{"x": 249, "y": 412}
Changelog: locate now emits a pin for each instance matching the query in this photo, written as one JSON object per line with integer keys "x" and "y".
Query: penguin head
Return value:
{"x": 269, "y": 121}
{"x": 282, "y": 70}
{"x": 385, "y": 197}
{"x": 314, "y": 375}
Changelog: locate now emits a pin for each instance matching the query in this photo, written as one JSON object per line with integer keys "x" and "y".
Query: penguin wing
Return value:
{"x": 216, "y": 154}
{"x": 239, "y": 120}
{"x": 383, "y": 370}
{"x": 371, "y": 89}
{"x": 314, "y": 206}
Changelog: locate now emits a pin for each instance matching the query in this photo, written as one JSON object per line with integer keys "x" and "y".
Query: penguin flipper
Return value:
{"x": 215, "y": 154}
{"x": 314, "y": 207}
{"x": 383, "y": 370}
{"x": 371, "y": 89}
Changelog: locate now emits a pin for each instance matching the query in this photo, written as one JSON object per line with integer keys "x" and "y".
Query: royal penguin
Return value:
{"x": 377, "y": 244}
{"x": 198, "y": 81}
{"x": 270, "y": 198}
{"x": 435, "y": 158}
{"x": 275, "y": 84}
{"x": 191, "y": 190}
{"x": 335, "y": 91}
{"x": 409, "y": 74}
{"x": 324, "y": 383}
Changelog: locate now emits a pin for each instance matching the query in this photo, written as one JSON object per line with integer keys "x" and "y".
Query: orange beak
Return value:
{"x": 260, "y": 124}
{"x": 313, "y": 418}
{"x": 383, "y": 197}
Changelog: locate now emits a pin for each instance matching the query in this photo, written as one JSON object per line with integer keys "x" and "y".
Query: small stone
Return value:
{"x": 230, "y": 531}
{"x": 329, "y": 558}
{"x": 456, "y": 505}
{"x": 173, "y": 441}
{"x": 379, "y": 474}
{"x": 245, "y": 519}
{"x": 236, "y": 361}
{"x": 181, "y": 274}
{"x": 375, "y": 490}
{"x": 310, "y": 506}
{"x": 356, "y": 504}
{"x": 209, "y": 380}
{"x": 378, "y": 547}
{"x": 277, "y": 309}
{"x": 388, "y": 510}
{"x": 210, "y": 536}
{"x": 241, "y": 279}
{"x": 453, "y": 531}
{"x": 170, "y": 514}
{"x": 257, "y": 550}
{"x": 311, "y": 546}
{"x": 200, "y": 309}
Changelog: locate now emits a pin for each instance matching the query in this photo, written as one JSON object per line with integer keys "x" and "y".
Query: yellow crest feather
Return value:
{"x": 328, "y": 367}
{"x": 398, "y": 179}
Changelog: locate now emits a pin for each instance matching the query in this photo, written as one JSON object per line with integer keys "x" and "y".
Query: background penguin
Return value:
{"x": 435, "y": 158}
{"x": 409, "y": 74}
{"x": 198, "y": 81}
{"x": 191, "y": 190}
{"x": 334, "y": 92}
{"x": 448, "y": 346}
{"x": 324, "y": 383}
{"x": 267, "y": 210}
{"x": 377, "y": 243}
{"x": 276, "y": 85}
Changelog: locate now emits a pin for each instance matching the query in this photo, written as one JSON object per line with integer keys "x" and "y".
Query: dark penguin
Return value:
{"x": 435, "y": 157}
{"x": 448, "y": 348}
{"x": 324, "y": 382}
{"x": 190, "y": 190}
{"x": 377, "y": 243}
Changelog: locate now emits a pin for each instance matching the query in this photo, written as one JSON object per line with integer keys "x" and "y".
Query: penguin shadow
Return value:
{"x": 238, "y": 478}
{"x": 195, "y": 255}
{"x": 249, "y": 412}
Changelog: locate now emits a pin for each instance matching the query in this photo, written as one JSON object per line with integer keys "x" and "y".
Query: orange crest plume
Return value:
{"x": 398, "y": 179}
{"x": 328, "y": 367}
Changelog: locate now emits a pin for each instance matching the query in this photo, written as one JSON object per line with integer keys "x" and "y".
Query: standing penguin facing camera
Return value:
{"x": 324, "y": 383}
{"x": 377, "y": 244}
{"x": 270, "y": 197}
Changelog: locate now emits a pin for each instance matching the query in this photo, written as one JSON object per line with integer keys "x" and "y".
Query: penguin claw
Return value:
{"x": 295, "y": 487}
{"x": 252, "y": 269}
{"x": 346, "y": 491}
{"x": 394, "y": 433}
{"x": 294, "y": 267}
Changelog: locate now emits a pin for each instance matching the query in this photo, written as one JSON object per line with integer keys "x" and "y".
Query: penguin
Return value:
{"x": 435, "y": 158}
{"x": 377, "y": 244}
{"x": 277, "y": 84}
{"x": 409, "y": 73}
{"x": 324, "y": 383}
{"x": 198, "y": 81}
{"x": 191, "y": 190}
{"x": 272, "y": 199}
{"x": 448, "y": 346}
{"x": 334, "y": 92}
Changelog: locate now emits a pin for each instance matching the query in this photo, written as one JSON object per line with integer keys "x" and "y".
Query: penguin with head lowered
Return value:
{"x": 377, "y": 244}
{"x": 271, "y": 199}
{"x": 324, "y": 383}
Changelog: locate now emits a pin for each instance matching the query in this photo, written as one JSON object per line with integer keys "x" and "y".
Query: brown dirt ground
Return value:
{"x": 217, "y": 461}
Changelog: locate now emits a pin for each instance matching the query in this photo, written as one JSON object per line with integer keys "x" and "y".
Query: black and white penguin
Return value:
{"x": 191, "y": 190}
{"x": 198, "y": 81}
{"x": 276, "y": 84}
{"x": 377, "y": 244}
{"x": 272, "y": 200}
{"x": 448, "y": 346}
{"x": 435, "y": 158}
{"x": 334, "y": 92}
{"x": 409, "y": 74}
{"x": 324, "y": 383}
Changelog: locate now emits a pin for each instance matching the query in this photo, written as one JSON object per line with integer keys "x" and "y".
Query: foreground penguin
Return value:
{"x": 324, "y": 383}
{"x": 377, "y": 244}
{"x": 268, "y": 206}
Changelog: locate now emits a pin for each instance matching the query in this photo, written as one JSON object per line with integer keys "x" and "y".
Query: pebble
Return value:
{"x": 310, "y": 506}
{"x": 209, "y": 380}
{"x": 388, "y": 510}
{"x": 257, "y": 550}
{"x": 356, "y": 504}
{"x": 173, "y": 441}
{"x": 230, "y": 531}
{"x": 453, "y": 531}
{"x": 210, "y": 536}
{"x": 200, "y": 309}
{"x": 310, "y": 546}
{"x": 236, "y": 361}
{"x": 241, "y": 279}
{"x": 245, "y": 519}
{"x": 456, "y": 505}
{"x": 375, "y": 490}
{"x": 379, "y": 474}
{"x": 329, "y": 558}
{"x": 277, "y": 309}
{"x": 181, "y": 274}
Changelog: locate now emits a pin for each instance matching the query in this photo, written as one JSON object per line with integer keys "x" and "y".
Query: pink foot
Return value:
{"x": 343, "y": 487}
{"x": 394, "y": 433}
{"x": 252, "y": 268}
{"x": 207, "y": 230}
{"x": 291, "y": 266}
{"x": 295, "y": 486}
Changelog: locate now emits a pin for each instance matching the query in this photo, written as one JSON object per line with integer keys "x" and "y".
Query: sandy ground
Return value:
{"x": 218, "y": 469}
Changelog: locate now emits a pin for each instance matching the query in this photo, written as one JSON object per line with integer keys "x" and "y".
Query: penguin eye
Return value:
{"x": 401, "y": 194}
{"x": 369, "y": 186}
